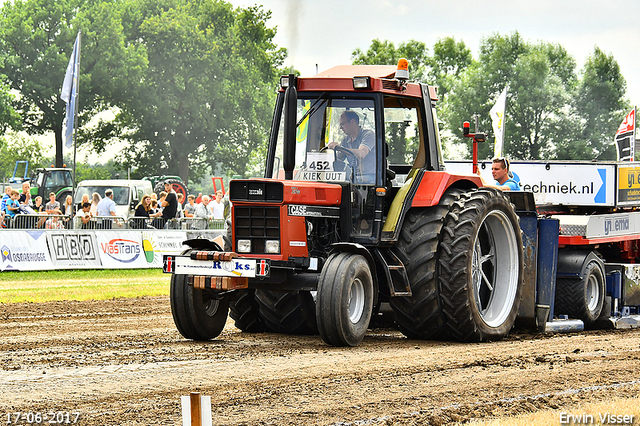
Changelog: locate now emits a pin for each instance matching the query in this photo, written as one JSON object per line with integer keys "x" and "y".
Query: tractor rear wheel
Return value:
{"x": 198, "y": 314}
{"x": 287, "y": 313}
{"x": 582, "y": 298}
{"x": 345, "y": 299}
{"x": 418, "y": 247}
{"x": 481, "y": 266}
{"x": 244, "y": 310}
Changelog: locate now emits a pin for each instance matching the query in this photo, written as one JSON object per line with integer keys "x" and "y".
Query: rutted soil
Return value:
{"x": 122, "y": 362}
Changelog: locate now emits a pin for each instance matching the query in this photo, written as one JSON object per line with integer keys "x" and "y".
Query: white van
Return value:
{"x": 126, "y": 193}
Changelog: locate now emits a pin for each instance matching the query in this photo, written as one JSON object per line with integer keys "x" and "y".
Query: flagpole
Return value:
{"x": 75, "y": 121}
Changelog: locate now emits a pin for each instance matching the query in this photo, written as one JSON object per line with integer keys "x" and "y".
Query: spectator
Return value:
{"x": 85, "y": 199}
{"x": 190, "y": 207}
{"x": 25, "y": 198}
{"x": 217, "y": 206}
{"x": 5, "y": 197}
{"x": 155, "y": 213}
{"x": 95, "y": 199}
{"x": 107, "y": 207}
{"x": 38, "y": 207}
{"x": 52, "y": 207}
{"x": 83, "y": 217}
{"x": 180, "y": 212}
{"x": 67, "y": 210}
{"x": 170, "y": 203}
{"x": 12, "y": 206}
{"x": 203, "y": 212}
{"x": 199, "y": 199}
{"x": 142, "y": 214}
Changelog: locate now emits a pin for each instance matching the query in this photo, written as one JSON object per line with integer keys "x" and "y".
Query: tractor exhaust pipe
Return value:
{"x": 290, "y": 115}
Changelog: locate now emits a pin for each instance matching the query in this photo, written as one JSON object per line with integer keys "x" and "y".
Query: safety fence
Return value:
{"x": 49, "y": 249}
{"x": 52, "y": 221}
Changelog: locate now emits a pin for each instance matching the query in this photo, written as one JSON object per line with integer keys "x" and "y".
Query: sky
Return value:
{"x": 326, "y": 32}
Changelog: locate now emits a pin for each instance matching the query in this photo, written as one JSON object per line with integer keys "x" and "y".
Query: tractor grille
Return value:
{"x": 257, "y": 224}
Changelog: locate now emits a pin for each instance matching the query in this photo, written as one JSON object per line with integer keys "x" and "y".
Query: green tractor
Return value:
{"x": 45, "y": 181}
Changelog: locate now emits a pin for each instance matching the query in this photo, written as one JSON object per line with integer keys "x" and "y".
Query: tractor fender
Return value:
{"x": 572, "y": 262}
{"x": 433, "y": 185}
{"x": 359, "y": 249}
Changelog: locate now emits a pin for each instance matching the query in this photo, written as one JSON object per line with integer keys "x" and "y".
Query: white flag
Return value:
{"x": 69, "y": 92}
{"x": 497, "y": 119}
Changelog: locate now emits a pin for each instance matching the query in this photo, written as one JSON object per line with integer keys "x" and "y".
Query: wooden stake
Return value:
{"x": 196, "y": 419}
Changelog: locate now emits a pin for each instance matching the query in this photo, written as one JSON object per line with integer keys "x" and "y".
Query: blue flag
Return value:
{"x": 69, "y": 92}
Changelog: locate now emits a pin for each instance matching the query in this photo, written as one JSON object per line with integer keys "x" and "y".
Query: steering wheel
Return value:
{"x": 353, "y": 158}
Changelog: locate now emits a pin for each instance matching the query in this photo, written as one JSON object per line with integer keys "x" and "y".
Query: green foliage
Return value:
{"x": 385, "y": 53}
{"x": 15, "y": 148}
{"x": 599, "y": 109}
{"x": 208, "y": 91}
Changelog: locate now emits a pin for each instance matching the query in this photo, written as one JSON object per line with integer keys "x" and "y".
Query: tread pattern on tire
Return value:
{"x": 570, "y": 299}
{"x": 418, "y": 247}
{"x": 461, "y": 324}
{"x": 244, "y": 310}
{"x": 287, "y": 313}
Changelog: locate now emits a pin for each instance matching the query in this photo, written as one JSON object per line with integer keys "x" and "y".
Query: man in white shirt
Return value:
{"x": 107, "y": 207}
{"x": 218, "y": 206}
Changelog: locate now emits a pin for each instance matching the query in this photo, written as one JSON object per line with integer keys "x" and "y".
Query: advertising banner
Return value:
{"x": 24, "y": 251}
{"x": 628, "y": 185}
{"x": 73, "y": 249}
{"x": 121, "y": 249}
{"x": 156, "y": 244}
{"x": 556, "y": 183}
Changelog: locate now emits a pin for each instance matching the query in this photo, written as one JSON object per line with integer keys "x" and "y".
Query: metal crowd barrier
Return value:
{"x": 49, "y": 221}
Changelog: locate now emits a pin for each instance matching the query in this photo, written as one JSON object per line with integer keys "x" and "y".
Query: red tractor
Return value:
{"x": 356, "y": 210}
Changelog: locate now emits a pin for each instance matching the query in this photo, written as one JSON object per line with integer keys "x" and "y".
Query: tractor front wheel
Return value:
{"x": 198, "y": 314}
{"x": 345, "y": 299}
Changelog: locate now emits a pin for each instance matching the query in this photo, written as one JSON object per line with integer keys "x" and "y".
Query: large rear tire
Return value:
{"x": 481, "y": 267}
{"x": 345, "y": 299}
{"x": 244, "y": 310}
{"x": 582, "y": 298}
{"x": 198, "y": 314}
{"x": 418, "y": 247}
{"x": 287, "y": 313}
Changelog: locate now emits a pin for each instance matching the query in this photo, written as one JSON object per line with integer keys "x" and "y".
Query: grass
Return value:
{"x": 45, "y": 286}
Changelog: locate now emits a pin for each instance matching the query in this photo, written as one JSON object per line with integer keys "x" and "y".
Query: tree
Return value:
{"x": 16, "y": 148}
{"x": 599, "y": 107}
{"x": 386, "y": 53}
{"x": 38, "y": 37}
{"x": 449, "y": 60}
{"x": 540, "y": 77}
{"x": 207, "y": 92}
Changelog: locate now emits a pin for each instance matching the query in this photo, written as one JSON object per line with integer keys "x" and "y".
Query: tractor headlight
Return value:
{"x": 272, "y": 246}
{"x": 244, "y": 246}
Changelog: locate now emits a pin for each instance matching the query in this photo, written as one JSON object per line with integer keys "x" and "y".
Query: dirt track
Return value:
{"x": 122, "y": 362}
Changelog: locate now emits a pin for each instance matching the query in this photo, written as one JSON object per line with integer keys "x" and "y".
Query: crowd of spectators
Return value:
{"x": 19, "y": 210}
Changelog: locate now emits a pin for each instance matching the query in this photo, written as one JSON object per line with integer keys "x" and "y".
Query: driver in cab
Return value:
{"x": 360, "y": 143}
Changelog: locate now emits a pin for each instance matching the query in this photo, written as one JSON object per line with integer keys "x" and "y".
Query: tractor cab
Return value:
{"x": 367, "y": 134}
{"x": 47, "y": 180}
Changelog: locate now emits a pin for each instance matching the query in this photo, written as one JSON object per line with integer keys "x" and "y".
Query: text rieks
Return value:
{"x": 215, "y": 268}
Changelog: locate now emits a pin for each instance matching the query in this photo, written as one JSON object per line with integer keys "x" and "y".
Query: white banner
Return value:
{"x": 73, "y": 249}
{"x": 24, "y": 251}
{"x": 27, "y": 250}
{"x": 155, "y": 244}
{"x": 575, "y": 184}
{"x": 121, "y": 249}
